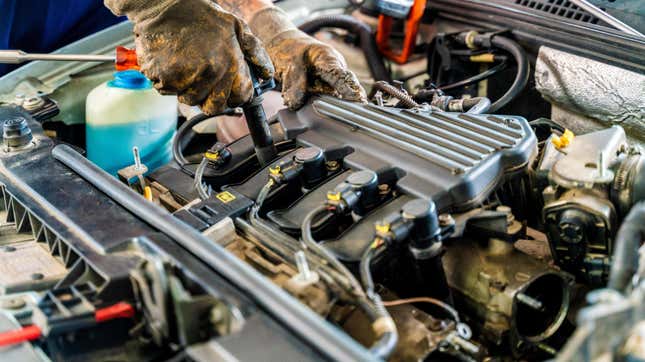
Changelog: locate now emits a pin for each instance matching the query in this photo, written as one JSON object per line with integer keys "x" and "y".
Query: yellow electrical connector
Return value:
{"x": 564, "y": 140}
{"x": 275, "y": 171}
{"x": 333, "y": 196}
{"x": 382, "y": 228}
{"x": 147, "y": 193}
{"x": 213, "y": 156}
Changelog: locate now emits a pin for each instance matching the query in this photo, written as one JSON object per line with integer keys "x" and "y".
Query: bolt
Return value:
{"x": 379, "y": 98}
{"x": 383, "y": 189}
{"x": 332, "y": 165}
{"x": 461, "y": 343}
{"x": 137, "y": 157}
{"x": 529, "y": 301}
{"x": 303, "y": 266}
{"x": 19, "y": 99}
{"x": 32, "y": 103}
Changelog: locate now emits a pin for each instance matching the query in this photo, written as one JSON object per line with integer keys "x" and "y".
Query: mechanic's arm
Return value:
{"x": 198, "y": 50}
{"x": 302, "y": 64}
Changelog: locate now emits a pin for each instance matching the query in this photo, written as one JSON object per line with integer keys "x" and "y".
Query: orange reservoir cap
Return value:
{"x": 126, "y": 59}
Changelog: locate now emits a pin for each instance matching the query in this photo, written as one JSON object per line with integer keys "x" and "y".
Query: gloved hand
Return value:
{"x": 195, "y": 49}
{"x": 303, "y": 64}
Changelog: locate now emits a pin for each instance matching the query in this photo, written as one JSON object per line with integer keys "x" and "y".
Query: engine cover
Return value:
{"x": 454, "y": 159}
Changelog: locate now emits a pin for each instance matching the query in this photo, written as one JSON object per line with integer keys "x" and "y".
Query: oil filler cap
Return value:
{"x": 16, "y": 133}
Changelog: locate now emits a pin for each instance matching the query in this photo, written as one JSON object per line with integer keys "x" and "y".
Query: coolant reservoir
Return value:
{"x": 127, "y": 112}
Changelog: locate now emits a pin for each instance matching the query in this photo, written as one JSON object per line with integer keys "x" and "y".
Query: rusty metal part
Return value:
{"x": 316, "y": 296}
{"x": 492, "y": 285}
{"x": 419, "y": 333}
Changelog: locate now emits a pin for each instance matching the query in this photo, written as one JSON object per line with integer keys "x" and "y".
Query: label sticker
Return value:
{"x": 225, "y": 197}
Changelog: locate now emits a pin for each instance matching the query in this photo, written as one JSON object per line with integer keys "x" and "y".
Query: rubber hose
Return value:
{"x": 521, "y": 60}
{"x": 385, "y": 87}
{"x": 628, "y": 240}
{"x": 177, "y": 146}
{"x": 367, "y": 42}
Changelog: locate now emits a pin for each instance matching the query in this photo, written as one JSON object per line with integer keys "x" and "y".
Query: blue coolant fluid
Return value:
{"x": 126, "y": 112}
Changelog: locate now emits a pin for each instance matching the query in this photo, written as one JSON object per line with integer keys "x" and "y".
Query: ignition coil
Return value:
{"x": 358, "y": 193}
{"x": 418, "y": 224}
{"x": 307, "y": 163}
{"x": 312, "y": 161}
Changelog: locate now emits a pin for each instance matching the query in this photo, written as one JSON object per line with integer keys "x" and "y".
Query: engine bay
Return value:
{"x": 467, "y": 212}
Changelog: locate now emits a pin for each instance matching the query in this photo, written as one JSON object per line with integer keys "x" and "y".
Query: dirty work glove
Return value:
{"x": 303, "y": 64}
{"x": 196, "y": 50}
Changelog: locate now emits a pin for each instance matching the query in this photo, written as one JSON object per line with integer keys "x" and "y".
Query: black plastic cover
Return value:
{"x": 454, "y": 159}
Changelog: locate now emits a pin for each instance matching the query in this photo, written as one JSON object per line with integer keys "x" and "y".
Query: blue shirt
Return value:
{"x": 42, "y": 26}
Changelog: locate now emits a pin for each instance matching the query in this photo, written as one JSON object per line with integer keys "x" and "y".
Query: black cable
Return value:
{"x": 339, "y": 277}
{"x": 178, "y": 143}
{"x": 427, "y": 95}
{"x": 476, "y": 78}
{"x": 512, "y": 47}
{"x": 367, "y": 42}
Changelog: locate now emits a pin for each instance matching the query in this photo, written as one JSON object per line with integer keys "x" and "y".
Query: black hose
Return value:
{"x": 367, "y": 42}
{"x": 177, "y": 142}
{"x": 282, "y": 306}
{"x": 395, "y": 92}
{"x": 521, "y": 60}
{"x": 628, "y": 240}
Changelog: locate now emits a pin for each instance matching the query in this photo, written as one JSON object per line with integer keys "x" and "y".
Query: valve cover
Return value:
{"x": 454, "y": 159}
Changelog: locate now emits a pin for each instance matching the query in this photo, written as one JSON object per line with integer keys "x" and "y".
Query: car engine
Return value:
{"x": 474, "y": 209}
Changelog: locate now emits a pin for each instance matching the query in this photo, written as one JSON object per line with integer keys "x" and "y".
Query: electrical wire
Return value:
{"x": 339, "y": 278}
{"x": 310, "y": 243}
{"x": 202, "y": 190}
{"x": 388, "y": 340}
{"x": 517, "y": 52}
{"x": 445, "y": 306}
{"x": 381, "y": 320}
{"x": 177, "y": 146}
{"x": 476, "y": 78}
{"x": 178, "y": 141}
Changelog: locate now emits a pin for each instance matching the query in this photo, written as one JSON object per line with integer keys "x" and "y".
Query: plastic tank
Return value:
{"x": 126, "y": 112}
